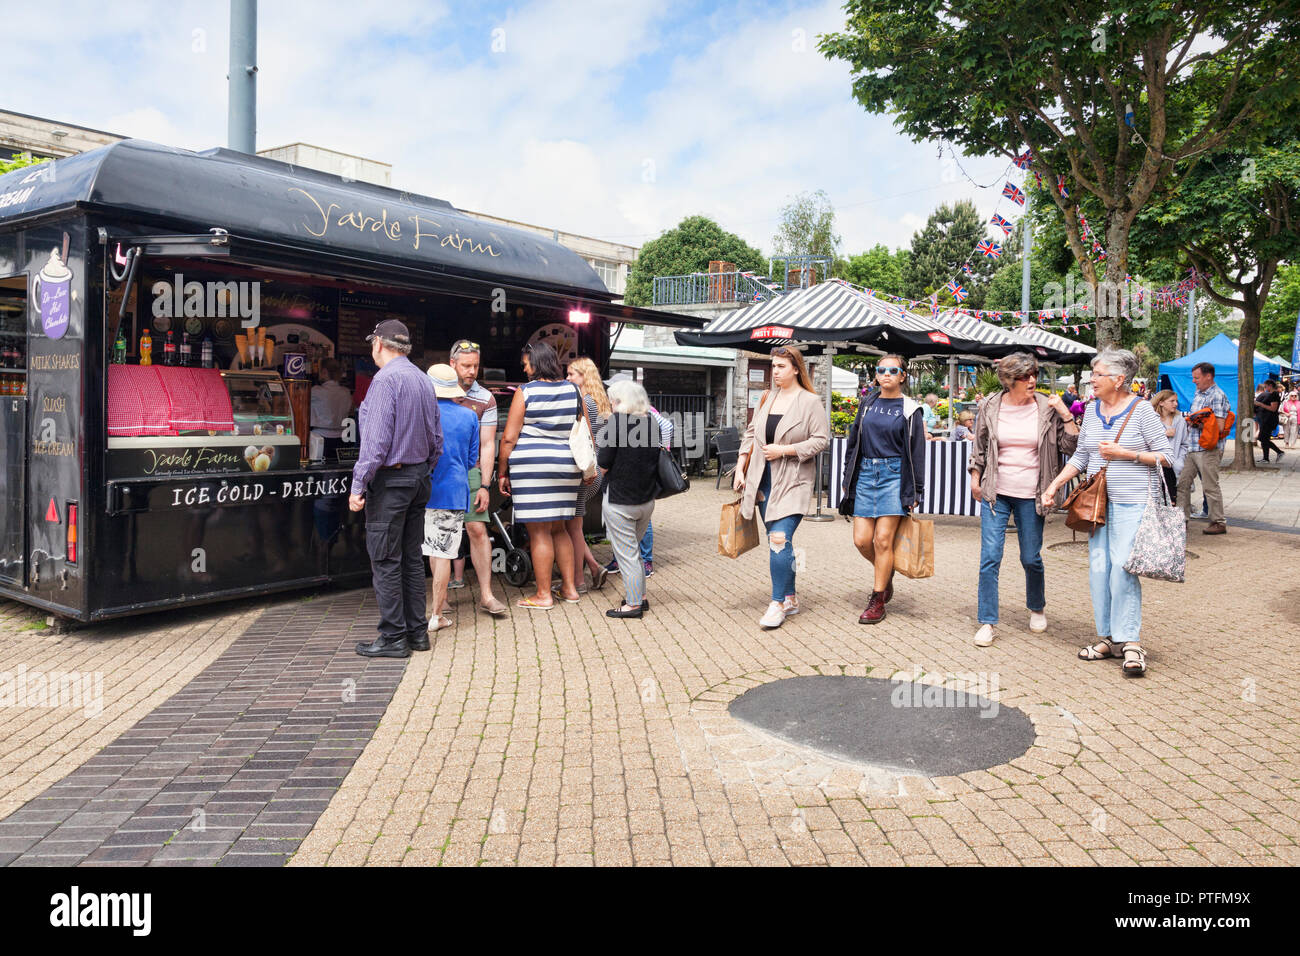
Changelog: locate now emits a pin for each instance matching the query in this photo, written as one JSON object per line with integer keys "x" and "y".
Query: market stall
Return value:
{"x": 162, "y": 316}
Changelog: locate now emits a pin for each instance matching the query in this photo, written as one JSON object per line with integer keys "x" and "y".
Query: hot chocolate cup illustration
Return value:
{"x": 52, "y": 289}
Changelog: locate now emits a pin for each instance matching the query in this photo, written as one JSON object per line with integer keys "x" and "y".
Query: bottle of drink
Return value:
{"x": 146, "y": 348}
{"x": 185, "y": 350}
{"x": 169, "y": 348}
{"x": 119, "y": 350}
{"x": 206, "y": 360}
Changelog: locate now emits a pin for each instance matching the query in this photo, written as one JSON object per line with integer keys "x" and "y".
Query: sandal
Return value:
{"x": 534, "y": 604}
{"x": 1135, "y": 666}
{"x": 1098, "y": 652}
{"x": 599, "y": 578}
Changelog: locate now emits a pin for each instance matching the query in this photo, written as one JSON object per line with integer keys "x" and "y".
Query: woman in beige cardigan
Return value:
{"x": 776, "y": 467}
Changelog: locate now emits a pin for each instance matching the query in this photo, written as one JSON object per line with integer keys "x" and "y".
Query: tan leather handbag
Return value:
{"x": 1085, "y": 509}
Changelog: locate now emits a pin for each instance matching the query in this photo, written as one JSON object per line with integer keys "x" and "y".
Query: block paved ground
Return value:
{"x": 564, "y": 737}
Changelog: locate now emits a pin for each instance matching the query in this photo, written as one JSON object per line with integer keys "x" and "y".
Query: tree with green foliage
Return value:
{"x": 1277, "y": 319}
{"x": 1235, "y": 217}
{"x": 1115, "y": 97}
{"x": 807, "y": 227}
{"x": 19, "y": 161}
{"x": 690, "y": 247}
{"x": 941, "y": 248}
{"x": 877, "y": 268}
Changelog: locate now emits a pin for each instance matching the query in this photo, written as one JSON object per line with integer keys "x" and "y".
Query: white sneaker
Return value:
{"x": 1037, "y": 622}
{"x": 775, "y": 615}
{"x": 790, "y": 606}
{"x": 984, "y": 636}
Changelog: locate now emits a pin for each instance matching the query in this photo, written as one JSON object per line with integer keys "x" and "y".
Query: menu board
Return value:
{"x": 360, "y": 312}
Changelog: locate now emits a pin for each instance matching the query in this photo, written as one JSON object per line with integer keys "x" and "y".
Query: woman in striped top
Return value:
{"x": 538, "y": 471}
{"x": 1131, "y": 464}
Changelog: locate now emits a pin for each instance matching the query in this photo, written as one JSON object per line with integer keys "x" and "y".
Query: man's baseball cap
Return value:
{"x": 391, "y": 329}
{"x": 445, "y": 384}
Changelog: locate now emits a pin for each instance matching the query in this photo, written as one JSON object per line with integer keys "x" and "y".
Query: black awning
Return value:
{"x": 268, "y": 200}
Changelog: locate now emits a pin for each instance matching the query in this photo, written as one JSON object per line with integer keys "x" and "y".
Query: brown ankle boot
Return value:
{"x": 875, "y": 612}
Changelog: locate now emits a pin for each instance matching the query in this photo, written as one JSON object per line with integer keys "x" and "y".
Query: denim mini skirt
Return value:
{"x": 879, "y": 490}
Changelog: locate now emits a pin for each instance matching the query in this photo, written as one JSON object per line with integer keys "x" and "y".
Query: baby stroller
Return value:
{"x": 509, "y": 540}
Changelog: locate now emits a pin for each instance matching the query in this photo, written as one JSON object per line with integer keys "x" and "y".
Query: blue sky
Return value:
{"x": 612, "y": 120}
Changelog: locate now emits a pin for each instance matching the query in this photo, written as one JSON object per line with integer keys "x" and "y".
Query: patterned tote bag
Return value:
{"x": 1160, "y": 545}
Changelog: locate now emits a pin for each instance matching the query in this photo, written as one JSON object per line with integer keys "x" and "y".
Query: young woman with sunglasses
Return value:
{"x": 885, "y": 475}
{"x": 776, "y": 467}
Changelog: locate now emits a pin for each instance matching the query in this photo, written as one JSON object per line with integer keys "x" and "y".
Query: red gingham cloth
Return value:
{"x": 218, "y": 416}
{"x": 199, "y": 399}
{"x": 137, "y": 402}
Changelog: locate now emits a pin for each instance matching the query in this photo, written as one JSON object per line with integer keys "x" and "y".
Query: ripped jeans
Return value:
{"x": 781, "y": 561}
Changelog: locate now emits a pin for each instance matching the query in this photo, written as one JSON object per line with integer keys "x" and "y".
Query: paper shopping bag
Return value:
{"x": 735, "y": 534}
{"x": 914, "y": 548}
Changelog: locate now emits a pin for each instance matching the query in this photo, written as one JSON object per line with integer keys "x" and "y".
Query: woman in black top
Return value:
{"x": 884, "y": 475}
{"x": 628, "y": 454}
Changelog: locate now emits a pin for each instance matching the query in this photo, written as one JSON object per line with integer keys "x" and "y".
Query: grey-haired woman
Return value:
{"x": 1131, "y": 463}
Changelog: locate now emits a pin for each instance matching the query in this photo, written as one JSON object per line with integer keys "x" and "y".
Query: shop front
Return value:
{"x": 164, "y": 317}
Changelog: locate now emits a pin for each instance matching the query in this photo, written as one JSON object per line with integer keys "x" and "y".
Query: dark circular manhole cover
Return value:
{"x": 897, "y": 725}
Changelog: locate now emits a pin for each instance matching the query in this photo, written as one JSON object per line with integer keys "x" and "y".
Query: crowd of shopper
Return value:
{"x": 427, "y": 444}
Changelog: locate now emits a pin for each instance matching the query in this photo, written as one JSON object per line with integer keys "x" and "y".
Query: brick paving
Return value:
{"x": 234, "y": 767}
{"x": 567, "y": 738}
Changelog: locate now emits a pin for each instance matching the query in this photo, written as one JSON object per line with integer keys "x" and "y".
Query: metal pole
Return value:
{"x": 818, "y": 516}
{"x": 1193, "y": 333}
{"x": 241, "y": 130}
{"x": 1027, "y": 244}
{"x": 952, "y": 388}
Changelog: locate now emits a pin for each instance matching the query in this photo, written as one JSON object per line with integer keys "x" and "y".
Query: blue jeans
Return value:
{"x": 780, "y": 563}
{"x": 993, "y": 536}
{"x": 648, "y": 544}
{"x": 1116, "y": 594}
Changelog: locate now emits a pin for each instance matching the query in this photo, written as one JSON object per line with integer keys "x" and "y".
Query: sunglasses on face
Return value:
{"x": 888, "y": 370}
{"x": 1027, "y": 377}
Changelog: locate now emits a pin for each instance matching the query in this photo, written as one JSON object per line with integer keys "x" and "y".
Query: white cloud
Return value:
{"x": 562, "y": 126}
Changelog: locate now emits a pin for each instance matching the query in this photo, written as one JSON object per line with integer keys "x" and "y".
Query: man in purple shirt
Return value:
{"x": 401, "y": 440}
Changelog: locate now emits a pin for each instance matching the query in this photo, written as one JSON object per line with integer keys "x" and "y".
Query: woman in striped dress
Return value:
{"x": 538, "y": 471}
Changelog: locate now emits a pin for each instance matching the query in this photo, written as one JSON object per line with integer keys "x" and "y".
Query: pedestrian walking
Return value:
{"x": 1141, "y": 447}
{"x": 1165, "y": 402}
{"x": 1267, "y": 403}
{"x": 538, "y": 470}
{"x": 1204, "y": 462}
{"x": 444, "y": 514}
{"x": 584, "y": 374}
{"x": 1290, "y": 418}
{"x": 401, "y": 441}
{"x": 1017, "y": 455}
{"x": 628, "y": 455}
{"x": 885, "y": 474}
{"x": 465, "y": 358}
{"x": 775, "y": 470}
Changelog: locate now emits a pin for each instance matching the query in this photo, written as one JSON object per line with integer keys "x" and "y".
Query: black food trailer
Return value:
{"x": 161, "y": 314}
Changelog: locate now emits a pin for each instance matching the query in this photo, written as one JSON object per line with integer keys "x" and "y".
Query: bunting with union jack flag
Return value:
{"x": 958, "y": 291}
{"x": 1004, "y": 223}
{"x": 1061, "y": 187}
{"x": 989, "y": 248}
{"x": 1023, "y": 160}
{"x": 1012, "y": 192}
{"x": 966, "y": 269}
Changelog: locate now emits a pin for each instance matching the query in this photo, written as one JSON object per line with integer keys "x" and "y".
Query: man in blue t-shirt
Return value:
{"x": 444, "y": 517}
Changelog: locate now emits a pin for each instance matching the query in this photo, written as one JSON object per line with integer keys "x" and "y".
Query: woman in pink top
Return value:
{"x": 1290, "y": 415}
{"x": 1021, "y": 440}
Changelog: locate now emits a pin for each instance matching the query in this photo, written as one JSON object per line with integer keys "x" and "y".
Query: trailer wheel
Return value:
{"x": 519, "y": 567}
